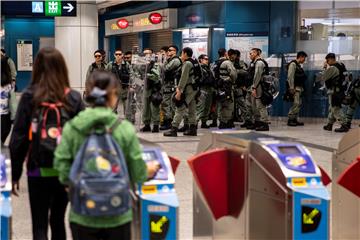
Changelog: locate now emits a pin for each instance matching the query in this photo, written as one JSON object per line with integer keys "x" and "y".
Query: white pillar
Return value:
{"x": 77, "y": 39}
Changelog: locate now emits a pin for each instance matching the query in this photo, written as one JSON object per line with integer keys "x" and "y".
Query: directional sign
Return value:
{"x": 68, "y": 8}
{"x": 60, "y": 8}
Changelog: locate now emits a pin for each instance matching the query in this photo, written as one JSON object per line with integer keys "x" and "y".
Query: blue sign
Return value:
{"x": 37, "y": 7}
{"x": 311, "y": 214}
{"x": 294, "y": 157}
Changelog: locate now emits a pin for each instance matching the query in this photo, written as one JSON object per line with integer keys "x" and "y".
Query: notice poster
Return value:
{"x": 244, "y": 42}
{"x": 24, "y": 50}
{"x": 197, "y": 40}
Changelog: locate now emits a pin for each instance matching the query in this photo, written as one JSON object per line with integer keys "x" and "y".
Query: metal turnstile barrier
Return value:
{"x": 346, "y": 189}
{"x": 253, "y": 186}
{"x": 156, "y": 208}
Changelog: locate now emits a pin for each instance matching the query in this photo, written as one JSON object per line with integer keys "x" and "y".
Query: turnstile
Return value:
{"x": 5, "y": 198}
{"x": 253, "y": 186}
{"x": 346, "y": 188}
{"x": 157, "y": 206}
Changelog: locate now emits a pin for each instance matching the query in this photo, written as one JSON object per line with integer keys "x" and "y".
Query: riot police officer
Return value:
{"x": 295, "y": 83}
{"x": 152, "y": 95}
{"x": 239, "y": 88}
{"x": 185, "y": 97}
{"x": 206, "y": 91}
{"x": 257, "y": 110}
{"x": 172, "y": 70}
{"x": 227, "y": 77}
{"x": 354, "y": 95}
{"x": 334, "y": 77}
{"x": 123, "y": 72}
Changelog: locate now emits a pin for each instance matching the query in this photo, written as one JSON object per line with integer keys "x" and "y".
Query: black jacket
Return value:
{"x": 19, "y": 143}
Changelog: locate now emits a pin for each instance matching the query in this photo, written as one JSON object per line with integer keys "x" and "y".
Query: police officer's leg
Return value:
{"x": 178, "y": 117}
{"x": 155, "y": 116}
{"x": 191, "y": 119}
{"x": 295, "y": 109}
{"x": 262, "y": 116}
{"x": 249, "y": 116}
{"x": 207, "y": 107}
{"x": 146, "y": 117}
{"x": 331, "y": 116}
{"x": 202, "y": 108}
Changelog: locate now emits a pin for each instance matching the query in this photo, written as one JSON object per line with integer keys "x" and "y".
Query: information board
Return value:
{"x": 244, "y": 42}
{"x": 24, "y": 49}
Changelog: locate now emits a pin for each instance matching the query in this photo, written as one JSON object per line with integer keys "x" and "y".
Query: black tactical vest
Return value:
{"x": 173, "y": 74}
{"x": 121, "y": 73}
{"x": 300, "y": 77}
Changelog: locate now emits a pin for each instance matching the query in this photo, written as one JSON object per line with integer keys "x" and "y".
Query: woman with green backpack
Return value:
{"x": 98, "y": 159}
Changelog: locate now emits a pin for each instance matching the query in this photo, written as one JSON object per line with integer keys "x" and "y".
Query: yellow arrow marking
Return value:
{"x": 308, "y": 219}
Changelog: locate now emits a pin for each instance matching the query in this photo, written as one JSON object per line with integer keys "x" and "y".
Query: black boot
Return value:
{"x": 222, "y": 125}
{"x": 166, "y": 125}
{"x": 213, "y": 124}
{"x": 343, "y": 128}
{"x": 262, "y": 126}
{"x": 230, "y": 124}
{"x": 191, "y": 131}
{"x": 292, "y": 123}
{"x": 204, "y": 125}
{"x": 328, "y": 127}
{"x": 172, "y": 132}
{"x": 146, "y": 128}
{"x": 184, "y": 128}
{"x": 155, "y": 129}
{"x": 247, "y": 124}
{"x": 299, "y": 123}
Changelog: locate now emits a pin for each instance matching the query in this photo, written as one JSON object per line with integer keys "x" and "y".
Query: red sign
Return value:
{"x": 123, "y": 23}
{"x": 155, "y": 18}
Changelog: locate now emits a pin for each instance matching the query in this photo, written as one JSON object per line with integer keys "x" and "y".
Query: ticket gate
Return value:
{"x": 157, "y": 205}
{"x": 252, "y": 186}
{"x": 5, "y": 198}
{"x": 346, "y": 187}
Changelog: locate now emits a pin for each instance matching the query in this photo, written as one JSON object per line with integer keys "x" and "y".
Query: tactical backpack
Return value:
{"x": 45, "y": 132}
{"x": 99, "y": 179}
{"x": 216, "y": 68}
{"x": 269, "y": 84}
{"x": 197, "y": 73}
{"x": 300, "y": 77}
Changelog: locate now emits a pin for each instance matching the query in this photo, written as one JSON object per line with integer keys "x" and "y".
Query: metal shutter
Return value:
{"x": 129, "y": 42}
{"x": 160, "y": 39}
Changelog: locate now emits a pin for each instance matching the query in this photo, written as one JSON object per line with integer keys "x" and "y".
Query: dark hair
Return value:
{"x": 98, "y": 51}
{"x": 165, "y": 48}
{"x": 301, "y": 54}
{"x": 174, "y": 46}
{"x": 128, "y": 52}
{"x": 99, "y": 87}
{"x": 5, "y": 72}
{"x": 50, "y": 77}
{"x": 102, "y": 52}
{"x": 3, "y": 51}
{"x": 188, "y": 51}
{"x": 152, "y": 51}
{"x": 237, "y": 52}
{"x": 202, "y": 56}
{"x": 221, "y": 52}
{"x": 258, "y": 50}
{"x": 330, "y": 55}
{"x": 231, "y": 52}
{"x": 118, "y": 50}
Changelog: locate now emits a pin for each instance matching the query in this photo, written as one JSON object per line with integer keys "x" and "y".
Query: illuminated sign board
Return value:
{"x": 37, "y": 7}
{"x": 161, "y": 19}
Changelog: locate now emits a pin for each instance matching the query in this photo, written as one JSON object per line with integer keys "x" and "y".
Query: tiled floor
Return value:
{"x": 183, "y": 148}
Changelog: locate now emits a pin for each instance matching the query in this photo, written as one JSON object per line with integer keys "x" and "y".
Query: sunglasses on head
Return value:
{"x": 97, "y": 56}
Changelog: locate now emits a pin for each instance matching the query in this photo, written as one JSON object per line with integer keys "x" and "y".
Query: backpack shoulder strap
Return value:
{"x": 114, "y": 126}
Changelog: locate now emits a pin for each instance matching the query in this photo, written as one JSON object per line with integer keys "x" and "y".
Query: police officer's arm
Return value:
{"x": 185, "y": 75}
{"x": 232, "y": 71}
{"x": 330, "y": 73}
{"x": 291, "y": 75}
{"x": 108, "y": 67}
{"x": 12, "y": 68}
{"x": 172, "y": 65}
{"x": 154, "y": 74}
{"x": 259, "y": 69}
{"x": 88, "y": 73}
